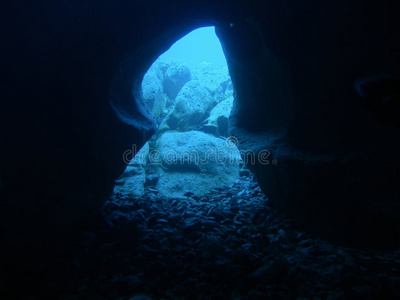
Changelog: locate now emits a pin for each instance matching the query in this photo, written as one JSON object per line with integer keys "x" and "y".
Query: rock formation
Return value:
{"x": 179, "y": 159}
{"x": 195, "y": 162}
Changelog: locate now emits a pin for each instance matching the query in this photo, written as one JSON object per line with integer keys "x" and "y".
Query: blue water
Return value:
{"x": 200, "y": 45}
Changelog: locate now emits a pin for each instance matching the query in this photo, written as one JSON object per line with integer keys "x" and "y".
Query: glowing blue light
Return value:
{"x": 200, "y": 45}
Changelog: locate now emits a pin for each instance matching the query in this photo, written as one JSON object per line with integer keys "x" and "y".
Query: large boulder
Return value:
{"x": 195, "y": 162}
{"x": 154, "y": 97}
{"x": 192, "y": 104}
{"x": 214, "y": 77}
{"x": 175, "y": 77}
{"x": 152, "y": 83}
{"x": 218, "y": 121}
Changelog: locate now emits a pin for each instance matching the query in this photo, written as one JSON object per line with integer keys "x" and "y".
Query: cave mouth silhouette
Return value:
{"x": 189, "y": 94}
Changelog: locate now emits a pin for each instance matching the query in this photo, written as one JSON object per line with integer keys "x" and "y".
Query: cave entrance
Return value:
{"x": 189, "y": 92}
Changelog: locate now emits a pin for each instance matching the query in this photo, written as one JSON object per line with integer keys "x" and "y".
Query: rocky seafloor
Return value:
{"x": 227, "y": 244}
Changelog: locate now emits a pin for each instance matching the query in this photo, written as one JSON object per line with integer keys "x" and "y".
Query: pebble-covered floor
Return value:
{"x": 228, "y": 244}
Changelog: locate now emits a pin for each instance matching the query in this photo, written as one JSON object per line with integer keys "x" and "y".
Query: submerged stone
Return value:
{"x": 195, "y": 162}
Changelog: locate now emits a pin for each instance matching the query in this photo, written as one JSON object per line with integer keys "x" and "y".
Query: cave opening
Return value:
{"x": 178, "y": 242}
{"x": 187, "y": 207}
{"x": 189, "y": 94}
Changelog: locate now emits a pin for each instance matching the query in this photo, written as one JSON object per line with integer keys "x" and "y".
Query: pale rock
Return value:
{"x": 191, "y": 106}
{"x": 153, "y": 92}
{"x": 175, "y": 78}
{"x": 217, "y": 122}
{"x": 195, "y": 162}
{"x": 214, "y": 78}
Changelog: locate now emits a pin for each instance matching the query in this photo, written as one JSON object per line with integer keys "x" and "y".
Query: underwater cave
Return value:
{"x": 302, "y": 203}
{"x": 189, "y": 94}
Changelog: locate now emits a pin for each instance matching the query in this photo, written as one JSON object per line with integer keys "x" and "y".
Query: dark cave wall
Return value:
{"x": 65, "y": 61}
{"x": 63, "y": 140}
{"x": 337, "y": 170}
